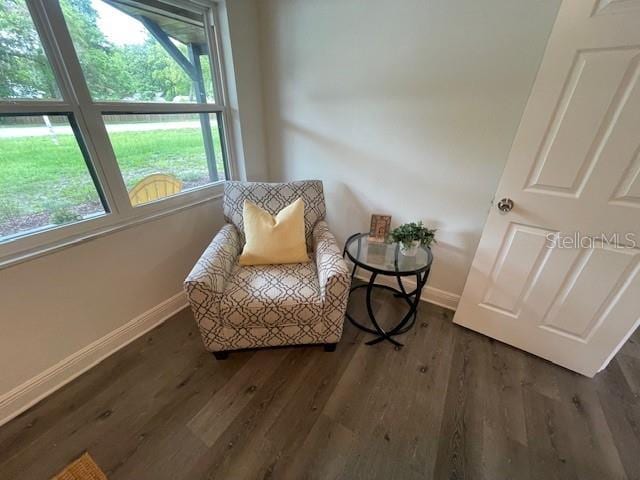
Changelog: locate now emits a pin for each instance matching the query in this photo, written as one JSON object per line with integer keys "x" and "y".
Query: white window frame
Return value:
{"x": 76, "y": 99}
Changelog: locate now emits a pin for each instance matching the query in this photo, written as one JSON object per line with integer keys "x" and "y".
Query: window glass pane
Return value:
{"x": 44, "y": 179}
{"x": 130, "y": 54}
{"x": 163, "y": 154}
{"x": 24, "y": 69}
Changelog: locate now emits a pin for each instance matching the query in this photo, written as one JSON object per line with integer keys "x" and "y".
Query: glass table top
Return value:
{"x": 386, "y": 257}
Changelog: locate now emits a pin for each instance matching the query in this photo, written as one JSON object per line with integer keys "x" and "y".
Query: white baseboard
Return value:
{"x": 433, "y": 295}
{"x": 22, "y": 397}
{"x": 32, "y": 391}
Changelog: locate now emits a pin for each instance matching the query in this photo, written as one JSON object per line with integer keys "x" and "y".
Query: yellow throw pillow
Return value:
{"x": 272, "y": 240}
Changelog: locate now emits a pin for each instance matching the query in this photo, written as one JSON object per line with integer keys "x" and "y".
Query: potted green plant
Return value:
{"x": 411, "y": 235}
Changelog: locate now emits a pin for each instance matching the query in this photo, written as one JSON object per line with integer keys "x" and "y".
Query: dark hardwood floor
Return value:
{"x": 452, "y": 404}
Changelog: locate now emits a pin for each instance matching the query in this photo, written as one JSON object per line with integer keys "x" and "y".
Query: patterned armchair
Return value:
{"x": 240, "y": 307}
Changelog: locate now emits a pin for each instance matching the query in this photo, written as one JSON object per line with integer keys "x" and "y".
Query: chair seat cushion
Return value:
{"x": 271, "y": 295}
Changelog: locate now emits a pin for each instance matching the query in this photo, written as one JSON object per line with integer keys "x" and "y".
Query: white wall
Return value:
{"x": 407, "y": 108}
{"x": 240, "y": 36}
{"x": 53, "y": 307}
{"x": 56, "y": 304}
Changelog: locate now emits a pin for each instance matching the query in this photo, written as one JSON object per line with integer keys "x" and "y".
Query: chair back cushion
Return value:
{"x": 273, "y": 197}
{"x": 273, "y": 240}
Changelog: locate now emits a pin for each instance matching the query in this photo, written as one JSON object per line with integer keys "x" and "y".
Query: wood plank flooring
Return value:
{"x": 452, "y": 404}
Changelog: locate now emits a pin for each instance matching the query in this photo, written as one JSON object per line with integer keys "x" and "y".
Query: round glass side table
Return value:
{"x": 387, "y": 260}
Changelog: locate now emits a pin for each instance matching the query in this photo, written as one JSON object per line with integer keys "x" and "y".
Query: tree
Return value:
{"x": 161, "y": 73}
{"x": 105, "y": 76}
{"x": 138, "y": 71}
{"x": 24, "y": 68}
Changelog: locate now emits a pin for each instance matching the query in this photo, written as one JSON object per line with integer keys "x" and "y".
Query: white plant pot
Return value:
{"x": 411, "y": 250}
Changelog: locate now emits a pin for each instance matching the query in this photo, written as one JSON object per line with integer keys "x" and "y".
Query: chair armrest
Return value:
{"x": 333, "y": 274}
{"x": 210, "y": 273}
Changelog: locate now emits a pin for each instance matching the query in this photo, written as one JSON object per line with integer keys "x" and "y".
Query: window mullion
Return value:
{"x": 130, "y": 107}
{"x": 33, "y": 107}
{"x": 216, "y": 62}
{"x": 88, "y": 117}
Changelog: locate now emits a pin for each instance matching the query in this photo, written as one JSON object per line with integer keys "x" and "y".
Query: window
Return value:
{"x": 187, "y": 147}
{"x": 131, "y": 54}
{"x": 110, "y": 111}
{"x": 46, "y": 180}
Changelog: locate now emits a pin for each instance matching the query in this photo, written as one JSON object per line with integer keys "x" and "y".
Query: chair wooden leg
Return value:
{"x": 221, "y": 355}
{"x": 330, "y": 347}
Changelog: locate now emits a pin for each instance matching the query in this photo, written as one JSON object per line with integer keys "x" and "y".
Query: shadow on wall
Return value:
{"x": 349, "y": 173}
{"x": 360, "y": 167}
{"x": 416, "y": 122}
{"x": 353, "y": 214}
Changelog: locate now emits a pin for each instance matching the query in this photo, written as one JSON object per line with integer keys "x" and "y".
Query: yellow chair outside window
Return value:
{"x": 154, "y": 187}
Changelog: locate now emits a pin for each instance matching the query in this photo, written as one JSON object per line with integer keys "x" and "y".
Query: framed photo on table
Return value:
{"x": 380, "y": 227}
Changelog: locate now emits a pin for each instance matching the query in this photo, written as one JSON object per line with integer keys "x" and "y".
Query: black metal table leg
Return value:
{"x": 383, "y": 335}
{"x": 409, "y": 319}
{"x": 385, "y": 259}
{"x": 377, "y": 330}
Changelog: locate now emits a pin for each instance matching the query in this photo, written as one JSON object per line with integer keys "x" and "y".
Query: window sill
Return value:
{"x": 140, "y": 215}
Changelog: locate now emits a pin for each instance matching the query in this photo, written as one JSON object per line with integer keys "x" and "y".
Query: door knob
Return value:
{"x": 505, "y": 205}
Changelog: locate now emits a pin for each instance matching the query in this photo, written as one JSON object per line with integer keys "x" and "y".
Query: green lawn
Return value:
{"x": 37, "y": 176}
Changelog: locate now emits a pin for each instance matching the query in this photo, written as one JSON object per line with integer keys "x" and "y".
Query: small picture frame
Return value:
{"x": 380, "y": 227}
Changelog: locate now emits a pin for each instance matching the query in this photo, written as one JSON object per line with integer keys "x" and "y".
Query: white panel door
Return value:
{"x": 549, "y": 276}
